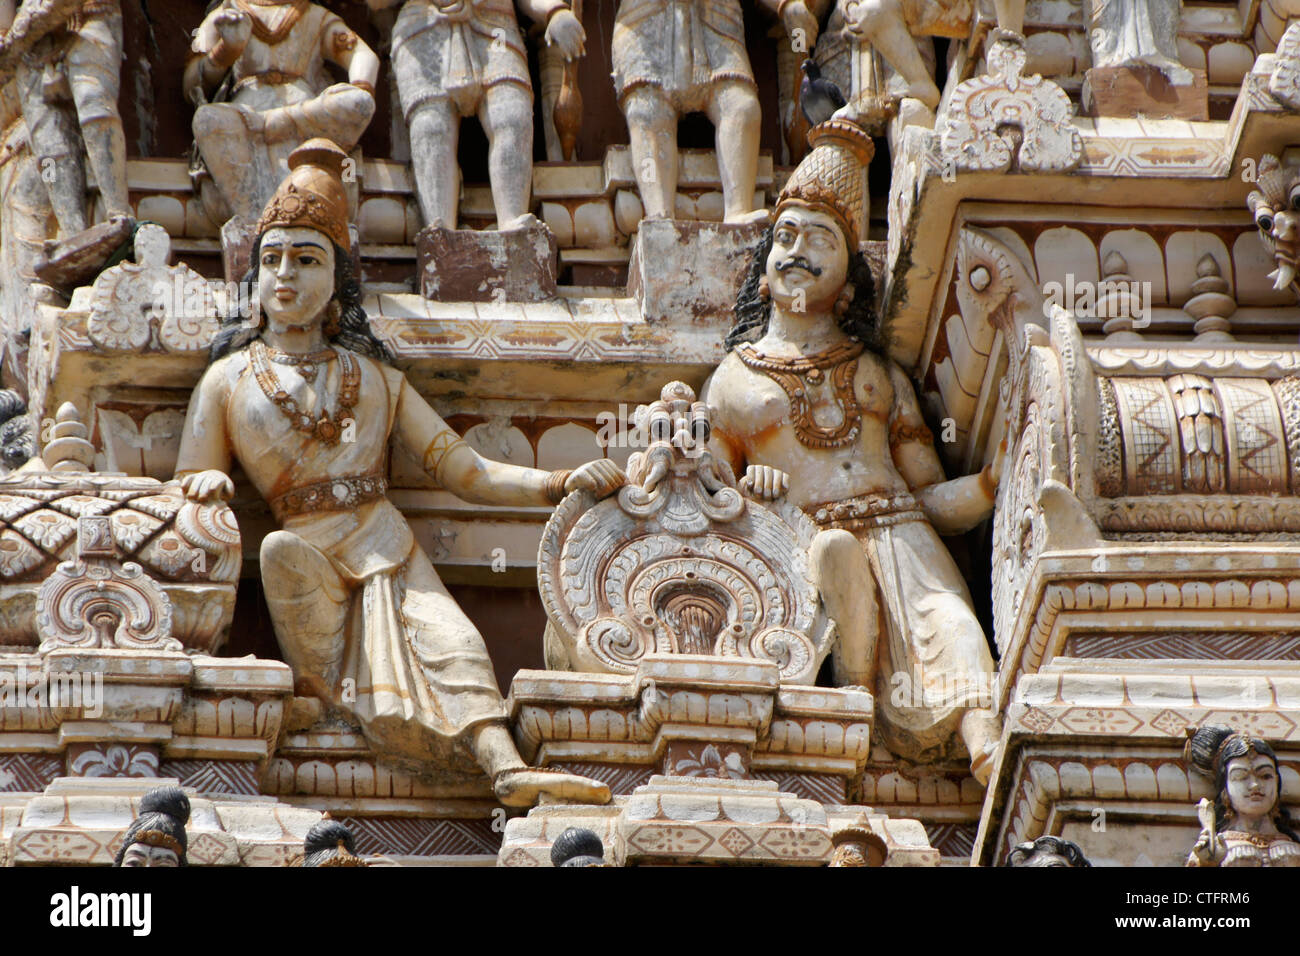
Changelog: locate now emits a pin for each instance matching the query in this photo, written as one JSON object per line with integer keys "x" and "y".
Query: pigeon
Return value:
{"x": 818, "y": 96}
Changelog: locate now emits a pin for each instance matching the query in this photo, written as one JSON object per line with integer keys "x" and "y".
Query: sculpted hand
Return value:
{"x": 992, "y": 472}
{"x": 764, "y": 482}
{"x": 208, "y": 486}
{"x": 797, "y": 16}
{"x": 234, "y": 27}
{"x": 1205, "y": 853}
{"x": 565, "y": 31}
{"x": 601, "y": 477}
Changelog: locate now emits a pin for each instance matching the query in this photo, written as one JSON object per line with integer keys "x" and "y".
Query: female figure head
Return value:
{"x": 1247, "y": 783}
{"x": 157, "y": 836}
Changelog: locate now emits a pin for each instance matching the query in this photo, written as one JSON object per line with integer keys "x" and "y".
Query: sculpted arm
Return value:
{"x": 465, "y": 473}
{"x": 218, "y": 44}
{"x": 726, "y": 440}
{"x": 340, "y": 45}
{"x": 563, "y": 29}
{"x": 722, "y": 441}
{"x": 204, "y": 459}
{"x": 952, "y": 506}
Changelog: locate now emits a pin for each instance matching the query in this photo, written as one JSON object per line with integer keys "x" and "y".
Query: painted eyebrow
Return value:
{"x": 811, "y": 225}
{"x": 309, "y": 245}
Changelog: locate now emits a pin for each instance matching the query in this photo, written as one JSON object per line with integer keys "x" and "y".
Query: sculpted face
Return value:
{"x": 1252, "y": 785}
{"x": 141, "y": 854}
{"x": 809, "y": 262}
{"x": 295, "y": 278}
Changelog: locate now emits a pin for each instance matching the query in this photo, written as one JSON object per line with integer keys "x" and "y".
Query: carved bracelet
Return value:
{"x": 554, "y": 484}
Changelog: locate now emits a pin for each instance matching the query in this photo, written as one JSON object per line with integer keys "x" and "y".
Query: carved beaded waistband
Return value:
{"x": 866, "y": 511}
{"x": 334, "y": 494}
{"x": 268, "y": 77}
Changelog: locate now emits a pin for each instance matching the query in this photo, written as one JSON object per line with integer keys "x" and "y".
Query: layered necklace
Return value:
{"x": 328, "y": 428}
{"x": 796, "y": 375}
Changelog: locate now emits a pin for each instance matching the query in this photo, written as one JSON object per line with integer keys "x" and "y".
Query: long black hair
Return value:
{"x": 163, "y": 811}
{"x": 753, "y": 310}
{"x": 353, "y": 334}
{"x": 1211, "y": 748}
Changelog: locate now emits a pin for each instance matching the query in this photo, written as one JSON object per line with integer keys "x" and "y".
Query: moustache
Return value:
{"x": 798, "y": 262}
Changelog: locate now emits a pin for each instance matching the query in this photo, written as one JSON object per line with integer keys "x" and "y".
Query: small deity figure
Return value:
{"x": 68, "y": 77}
{"x": 330, "y": 843}
{"x": 454, "y": 58}
{"x": 157, "y": 836}
{"x": 258, "y": 77}
{"x": 891, "y": 27}
{"x": 807, "y": 405}
{"x": 1245, "y": 824}
{"x": 1138, "y": 33}
{"x": 304, "y": 398}
{"x": 1047, "y": 851}
{"x": 673, "y": 58}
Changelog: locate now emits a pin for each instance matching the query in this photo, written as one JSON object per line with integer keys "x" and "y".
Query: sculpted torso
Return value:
{"x": 752, "y": 426}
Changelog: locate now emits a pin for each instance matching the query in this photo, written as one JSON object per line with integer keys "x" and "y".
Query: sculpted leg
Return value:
{"x": 94, "y": 70}
{"x": 843, "y": 576}
{"x": 737, "y": 117}
{"x": 981, "y": 731}
{"x": 507, "y": 118}
{"x": 883, "y": 25}
{"x": 56, "y": 145}
{"x": 226, "y": 136}
{"x": 1011, "y": 15}
{"x": 309, "y": 606}
{"x": 435, "y": 129}
{"x": 518, "y": 785}
{"x": 652, "y": 137}
{"x": 340, "y": 113}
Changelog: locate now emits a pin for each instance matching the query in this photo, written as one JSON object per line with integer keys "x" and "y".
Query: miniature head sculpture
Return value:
{"x": 1047, "y": 851}
{"x": 810, "y": 259}
{"x": 302, "y": 269}
{"x": 157, "y": 836}
{"x": 1275, "y": 204}
{"x": 1247, "y": 784}
{"x": 151, "y": 245}
{"x": 857, "y": 846}
{"x": 330, "y": 843}
{"x": 577, "y": 846}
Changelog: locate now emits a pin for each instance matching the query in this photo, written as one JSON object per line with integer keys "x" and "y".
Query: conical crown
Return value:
{"x": 312, "y": 195}
{"x": 832, "y": 177}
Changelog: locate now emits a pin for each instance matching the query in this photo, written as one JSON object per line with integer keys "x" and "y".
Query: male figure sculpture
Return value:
{"x": 672, "y": 58}
{"x": 454, "y": 58}
{"x": 264, "y": 63}
{"x": 68, "y": 80}
{"x": 814, "y": 410}
{"x": 304, "y": 398}
{"x": 890, "y": 26}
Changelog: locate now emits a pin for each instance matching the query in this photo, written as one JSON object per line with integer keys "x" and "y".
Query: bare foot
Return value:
{"x": 526, "y": 221}
{"x": 761, "y": 216}
{"x": 523, "y": 787}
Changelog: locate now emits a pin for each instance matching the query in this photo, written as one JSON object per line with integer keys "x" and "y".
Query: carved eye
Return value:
{"x": 1294, "y": 197}
{"x": 661, "y": 426}
{"x": 1264, "y": 218}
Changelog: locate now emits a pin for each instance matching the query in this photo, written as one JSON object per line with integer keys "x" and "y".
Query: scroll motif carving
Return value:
{"x": 680, "y": 562}
{"x": 975, "y": 133}
{"x": 95, "y": 601}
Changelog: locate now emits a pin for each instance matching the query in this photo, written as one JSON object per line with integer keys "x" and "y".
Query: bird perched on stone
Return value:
{"x": 819, "y": 98}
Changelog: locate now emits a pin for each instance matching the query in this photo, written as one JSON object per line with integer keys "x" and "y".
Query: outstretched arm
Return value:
{"x": 219, "y": 42}
{"x": 204, "y": 459}
{"x": 468, "y": 475}
{"x": 952, "y": 506}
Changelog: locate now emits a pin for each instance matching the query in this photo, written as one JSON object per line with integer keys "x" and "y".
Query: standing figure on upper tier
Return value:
{"x": 304, "y": 398}
{"x": 258, "y": 76}
{"x": 457, "y": 58}
{"x": 892, "y": 26}
{"x": 68, "y": 80}
{"x": 806, "y": 404}
{"x": 1245, "y": 824}
{"x": 673, "y": 57}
